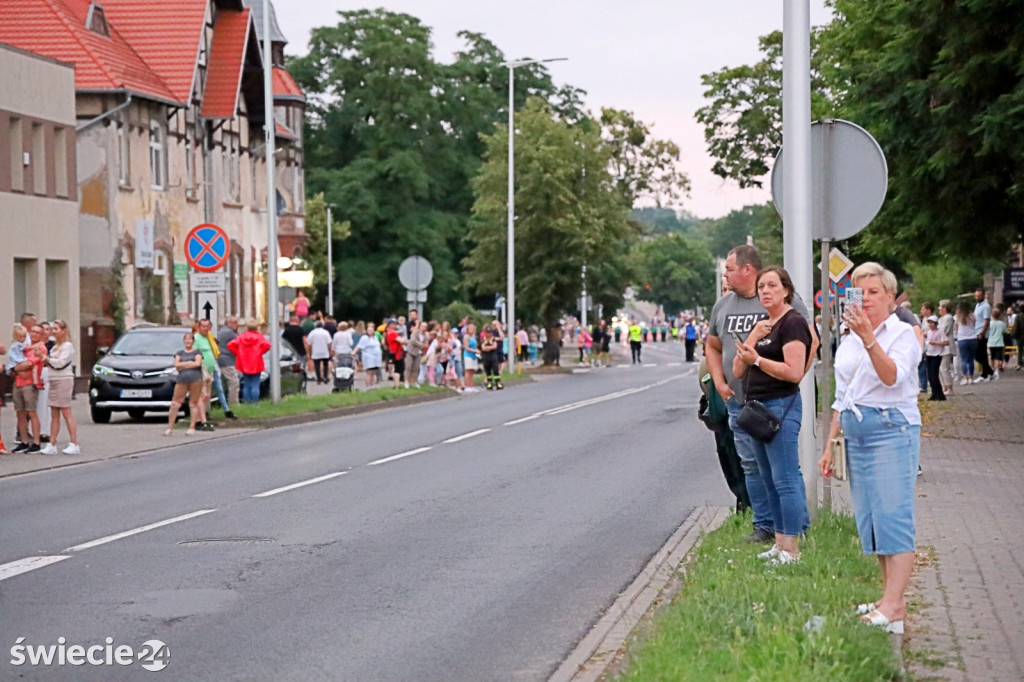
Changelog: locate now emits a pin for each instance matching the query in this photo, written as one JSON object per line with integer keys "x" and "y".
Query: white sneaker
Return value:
{"x": 965, "y": 381}
{"x": 979, "y": 380}
{"x": 48, "y": 449}
{"x": 995, "y": 375}
{"x": 770, "y": 554}
{"x": 72, "y": 449}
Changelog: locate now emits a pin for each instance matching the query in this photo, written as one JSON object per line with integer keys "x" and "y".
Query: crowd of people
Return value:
{"x": 39, "y": 360}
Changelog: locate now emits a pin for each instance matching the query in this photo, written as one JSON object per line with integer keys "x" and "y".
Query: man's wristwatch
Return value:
{"x": 757, "y": 362}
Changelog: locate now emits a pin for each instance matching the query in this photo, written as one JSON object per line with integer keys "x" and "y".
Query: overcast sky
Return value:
{"x": 645, "y": 56}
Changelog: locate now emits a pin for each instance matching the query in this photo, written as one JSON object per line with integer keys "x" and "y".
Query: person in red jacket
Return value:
{"x": 249, "y": 347}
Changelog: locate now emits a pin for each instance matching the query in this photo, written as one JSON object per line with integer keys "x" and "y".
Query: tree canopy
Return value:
{"x": 569, "y": 212}
{"x": 937, "y": 83}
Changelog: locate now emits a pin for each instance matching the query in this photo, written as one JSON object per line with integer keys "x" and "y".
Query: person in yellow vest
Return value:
{"x": 636, "y": 339}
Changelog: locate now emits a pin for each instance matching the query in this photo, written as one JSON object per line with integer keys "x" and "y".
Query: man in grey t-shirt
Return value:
{"x": 737, "y": 312}
{"x": 226, "y": 360}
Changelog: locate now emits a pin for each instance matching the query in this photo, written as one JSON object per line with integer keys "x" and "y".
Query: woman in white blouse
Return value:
{"x": 876, "y": 404}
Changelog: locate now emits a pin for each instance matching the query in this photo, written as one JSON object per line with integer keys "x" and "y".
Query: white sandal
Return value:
{"x": 879, "y": 619}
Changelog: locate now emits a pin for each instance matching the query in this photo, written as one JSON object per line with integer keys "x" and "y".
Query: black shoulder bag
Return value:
{"x": 757, "y": 420}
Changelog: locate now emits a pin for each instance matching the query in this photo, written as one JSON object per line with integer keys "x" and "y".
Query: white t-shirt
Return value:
{"x": 369, "y": 351}
{"x": 319, "y": 343}
{"x": 342, "y": 342}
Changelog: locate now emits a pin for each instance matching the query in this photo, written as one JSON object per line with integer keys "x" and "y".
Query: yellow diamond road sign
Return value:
{"x": 838, "y": 265}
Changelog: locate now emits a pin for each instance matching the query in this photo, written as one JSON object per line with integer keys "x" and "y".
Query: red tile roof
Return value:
{"x": 227, "y": 55}
{"x": 283, "y": 132}
{"x": 166, "y": 35}
{"x": 285, "y": 87}
{"x": 56, "y": 28}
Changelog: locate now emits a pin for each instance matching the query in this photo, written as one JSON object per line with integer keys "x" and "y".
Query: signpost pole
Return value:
{"x": 826, "y": 361}
{"x": 330, "y": 267}
{"x": 271, "y": 143}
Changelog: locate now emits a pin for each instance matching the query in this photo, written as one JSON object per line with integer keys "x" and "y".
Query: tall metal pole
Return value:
{"x": 271, "y": 146}
{"x": 510, "y": 294}
{"x": 330, "y": 266}
{"x": 798, "y": 205}
{"x": 583, "y": 298}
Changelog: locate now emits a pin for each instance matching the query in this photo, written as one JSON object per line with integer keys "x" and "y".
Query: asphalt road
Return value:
{"x": 469, "y": 539}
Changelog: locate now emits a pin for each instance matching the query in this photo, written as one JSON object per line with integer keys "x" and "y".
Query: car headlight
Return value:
{"x": 100, "y": 370}
{"x": 169, "y": 372}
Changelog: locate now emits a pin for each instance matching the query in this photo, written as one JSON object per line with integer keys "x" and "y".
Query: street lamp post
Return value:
{"x": 268, "y": 124}
{"x": 330, "y": 267}
{"x": 510, "y": 296}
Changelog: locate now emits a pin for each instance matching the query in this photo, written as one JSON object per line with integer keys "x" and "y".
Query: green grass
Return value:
{"x": 737, "y": 619}
{"x": 301, "y": 404}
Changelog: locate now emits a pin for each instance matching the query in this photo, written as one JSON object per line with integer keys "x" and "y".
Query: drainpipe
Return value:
{"x": 79, "y": 128}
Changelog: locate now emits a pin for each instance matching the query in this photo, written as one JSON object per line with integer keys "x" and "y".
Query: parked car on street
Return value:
{"x": 136, "y": 374}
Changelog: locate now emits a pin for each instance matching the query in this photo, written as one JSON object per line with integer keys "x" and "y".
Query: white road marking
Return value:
{"x": 392, "y": 458}
{"x": 650, "y": 364}
{"x": 13, "y": 568}
{"x": 300, "y": 484}
{"x": 136, "y": 531}
{"x": 464, "y": 436}
{"x": 623, "y": 366}
{"x": 675, "y": 364}
{"x": 520, "y": 421}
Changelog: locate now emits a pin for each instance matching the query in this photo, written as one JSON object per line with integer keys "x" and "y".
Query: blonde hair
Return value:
{"x": 870, "y": 269}
{"x": 252, "y": 324}
{"x": 64, "y": 327}
{"x": 19, "y": 329}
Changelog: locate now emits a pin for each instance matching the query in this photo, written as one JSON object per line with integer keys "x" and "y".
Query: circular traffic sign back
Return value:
{"x": 207, "y": 247}
{"x": 415, "y": 273}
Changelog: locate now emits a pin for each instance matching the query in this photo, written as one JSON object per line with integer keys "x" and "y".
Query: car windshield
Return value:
{"x": 149, "y": 343}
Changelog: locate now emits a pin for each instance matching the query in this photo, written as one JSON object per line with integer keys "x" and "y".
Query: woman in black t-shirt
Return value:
{"x": 774, "y": 359}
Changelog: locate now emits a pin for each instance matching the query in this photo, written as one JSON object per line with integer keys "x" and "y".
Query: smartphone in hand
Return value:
{"x": 737, "y": 337}
{"x": 855, "y": 296}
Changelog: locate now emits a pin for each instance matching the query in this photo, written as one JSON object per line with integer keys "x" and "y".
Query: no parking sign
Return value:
{"x": 207, "y": 247}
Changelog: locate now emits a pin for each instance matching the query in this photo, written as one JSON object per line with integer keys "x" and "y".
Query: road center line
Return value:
{"x": 13, "y": 568}
{"x": 464, "y": 436}
{"x": 392, "y": 458}
{"x": 300, "y": 484}
{"x": 520, "y": 421}
{"x": 136, "y": 531}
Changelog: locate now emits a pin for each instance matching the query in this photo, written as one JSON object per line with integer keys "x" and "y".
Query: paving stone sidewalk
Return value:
{"x": 969, "y": 585}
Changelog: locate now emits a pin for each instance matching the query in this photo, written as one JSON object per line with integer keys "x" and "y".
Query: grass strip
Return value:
{"x": 300, "y": 404}
{"x": 737, "y": 618}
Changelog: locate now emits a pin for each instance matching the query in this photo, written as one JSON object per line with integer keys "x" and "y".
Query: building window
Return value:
{"x": 123, "y": 154}
{"x": 60, "y": 152}
{"x": 38, "y": 158}
{"x": 56, "y": 285}
{"x": 17, "y": 154}
{"x": 157, "y": 158}
{"x": 190, "y": 164}
{"x": 232, "y": 179}
{"x": 96, "y": 20}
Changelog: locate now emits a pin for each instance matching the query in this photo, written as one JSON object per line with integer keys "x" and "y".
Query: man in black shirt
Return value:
{"x": 296, "y": 337}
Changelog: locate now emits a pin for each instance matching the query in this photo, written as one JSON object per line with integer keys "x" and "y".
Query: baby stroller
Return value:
{"x": 344, "y": 373}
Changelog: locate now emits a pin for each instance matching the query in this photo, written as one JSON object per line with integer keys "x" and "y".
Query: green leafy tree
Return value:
{"x": 569, "y": 212}
{"x": 675, "y": 272}
{"x": 645, "y": 167}
{"x": 759, "y": 222}
{"x": 393, "y": 140}
{"x": 743, "y": 119}
{"x": 940, "y": 85}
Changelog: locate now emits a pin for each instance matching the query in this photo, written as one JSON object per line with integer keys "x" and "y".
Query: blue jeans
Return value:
{"x": 250, "y": 388}
{"x": 218, "y": 384}
{"x": 922, "y": 374}
{"x": 779, "y": 462}
{"x": 763, "y": 519}
{"x": 967, "y": 348}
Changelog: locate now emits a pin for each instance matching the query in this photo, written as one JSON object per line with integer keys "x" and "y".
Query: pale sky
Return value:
{"x": 644, "y": 56}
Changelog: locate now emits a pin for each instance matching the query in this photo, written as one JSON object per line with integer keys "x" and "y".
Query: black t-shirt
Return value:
{"x": 792, "y": 327}
{"x": 294, "y": 335}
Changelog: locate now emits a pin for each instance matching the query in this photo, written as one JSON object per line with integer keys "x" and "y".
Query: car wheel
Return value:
{"x": 100, "y": 415}
{"x": 137, "y": 414}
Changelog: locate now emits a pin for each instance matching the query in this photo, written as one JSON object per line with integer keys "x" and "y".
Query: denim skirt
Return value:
{"x": 882, "y": 451}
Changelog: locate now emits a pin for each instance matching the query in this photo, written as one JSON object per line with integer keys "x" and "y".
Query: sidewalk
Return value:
{"x": 968, "y": 590}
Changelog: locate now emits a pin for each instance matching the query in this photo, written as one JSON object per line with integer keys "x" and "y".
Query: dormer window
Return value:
{"x": 96, "y": 20}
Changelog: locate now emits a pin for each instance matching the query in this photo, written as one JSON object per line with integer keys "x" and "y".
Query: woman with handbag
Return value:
{"x": 876, "y": 410}
{"x": 772, "y": 361}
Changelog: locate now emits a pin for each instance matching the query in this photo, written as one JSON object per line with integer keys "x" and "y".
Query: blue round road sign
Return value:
{"x": 206, "y": 247}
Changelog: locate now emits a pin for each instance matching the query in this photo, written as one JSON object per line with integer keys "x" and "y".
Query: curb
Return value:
{"x": 604, "y": 644}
